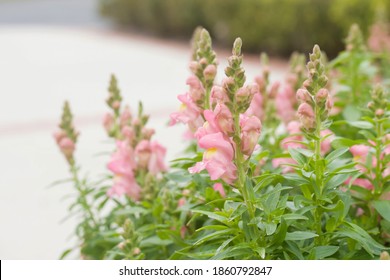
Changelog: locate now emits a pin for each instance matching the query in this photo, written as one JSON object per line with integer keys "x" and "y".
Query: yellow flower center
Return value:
{"x": 183, "y": 107}
{"x": 210, "y": 153}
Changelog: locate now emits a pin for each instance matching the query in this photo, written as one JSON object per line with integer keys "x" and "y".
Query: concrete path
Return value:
{"x": 40, "y": 66}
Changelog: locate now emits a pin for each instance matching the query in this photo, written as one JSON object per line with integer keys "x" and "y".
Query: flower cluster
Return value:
{"x": 204, "y": 69}
{"x": 314, "y": 97}
{"x": 66, "y": 136}
{"x": 135, "y": 155}
{"x": 232, "y": 127}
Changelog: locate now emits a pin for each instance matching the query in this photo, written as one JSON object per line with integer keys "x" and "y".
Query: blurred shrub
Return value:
{"x": 275, "y": 26}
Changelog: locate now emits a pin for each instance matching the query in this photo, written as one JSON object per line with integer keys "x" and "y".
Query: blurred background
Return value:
{"x": 56, "y": 50}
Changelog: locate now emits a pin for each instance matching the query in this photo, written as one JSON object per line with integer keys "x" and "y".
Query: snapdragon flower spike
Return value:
{"x": 114, "y": 98}
{"x": 355, "y": 41}
{"x": 66, "y": 136}
{"x": 314, "y": 97}
{"x": 204, "y": 69}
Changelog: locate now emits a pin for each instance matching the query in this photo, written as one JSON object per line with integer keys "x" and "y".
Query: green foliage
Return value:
{"x": 277, "y": 27}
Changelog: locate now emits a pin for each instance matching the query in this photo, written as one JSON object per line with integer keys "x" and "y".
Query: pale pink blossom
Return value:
{"x": 219, "y": 188}
{"x": 196, "y": 88}
{"x": 217, "y": 159}
{"x": 326, "y": 143}
{"x": 151, "y": 156}
{"x": 122, "y": 165}
{"x": 67, "y": 147}
{"x": 284, "y": 163}
{"x": 189, "y": 113}
{"x": 224, "y": 119}
{"x": 218, "y": 95}
{"x": 250, "y": 133}
{"x": 210, "y": 126}
{"x": 59, "y": 135}
{"x": 143, "y": 153}
{"x": 285, "y": 102}
{"x": 256, "y": 106}
{"x": 108, "y": 122}
{"x": 128, "y": 133}
{"x": 291, "y": 141}
{"x": 364, "y": 183}
{"x": 156, "y": 162}
{"x": 210, "y": 71}
{"x": 125, "y": 117}
{"x": 306, "y": 116}
{"x": 182, "y": 201}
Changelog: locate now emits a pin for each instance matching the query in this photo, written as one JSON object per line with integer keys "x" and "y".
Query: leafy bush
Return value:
{"x": 297, "y": 169}
{"x": 277, "y": 27}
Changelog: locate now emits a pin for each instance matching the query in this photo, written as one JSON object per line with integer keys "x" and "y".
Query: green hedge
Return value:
{"x": 275, "y": 26}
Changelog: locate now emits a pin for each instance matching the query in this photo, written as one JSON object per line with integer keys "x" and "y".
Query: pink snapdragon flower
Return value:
{"x": 326, "y": 144}
{"x": 360, "y": 153}
{"x": 67, "y": 147}
{"x": 306, "y": 116}
{"x": 196, "y": 90}
{"x": 364, "y": 183}
{"x": 256, "y": 106}
{"x": 151, "y": 156}
{"x": 250, "y": 133}
{"x": 217, "y": 159}
{"x": 189, "y": 113}
{"x": 219, "y": 188}
{"x": 281, "y": 162}
{"x": 218, "y": 95}
{"x": 285, "y": 101}
{"x": 122, "y": 165}
{"x": 294, "y": 129}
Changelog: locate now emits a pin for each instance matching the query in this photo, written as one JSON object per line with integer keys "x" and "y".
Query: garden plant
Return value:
{"x": 292, "y": 169}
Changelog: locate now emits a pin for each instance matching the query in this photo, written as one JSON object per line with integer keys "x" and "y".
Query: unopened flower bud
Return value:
{"x": 203, "y": 61}
{"x": 228, "y": 84}
{"x": 136, "y": 251}
{"x": 108, "y": 122}
{"x": 116, "y": 105}
{"x": 304, "y": 96}
{"x": 128, "y": 133}
{"x": 67, "y": 147}
{"x": 194, "y": 66}
{"x": 209, "y": 72}
{"x": 379, "y": 112}
{"x": 58, "y": 135}
{"x": 306, "y": 116}
{"x": 274, "y": 89}
{"x": 148, "y": 133}
{"x": 322, "y": 96}
{"x": 385, "y": 256}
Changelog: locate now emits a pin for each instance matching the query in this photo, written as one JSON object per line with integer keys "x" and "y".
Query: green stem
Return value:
{"x": 207, "y": 98}
{"x": 241, "y": 170}
{"x": 378, "y": 151}
{"x": 319, "y": 176}
{"x": 83, "y": 199}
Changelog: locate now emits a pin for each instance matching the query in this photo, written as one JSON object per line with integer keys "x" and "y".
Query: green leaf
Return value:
{"x": 212, "y": 227}
{"x": 383, "y": 207}
{"x": 65, "y": 253}
{"x": 322, "y": 252}
{"x": 242, "y": 251}
{"x": 270, "y": 228}
{"x": 351, "y": 113}
{"x": 336, "y": 154}
{"x": 300, "y": 235}
{"x": 214, "y": 235}
{"x": 361, "y": 124}
{"x": 297, "y": 156}
{"x": 343, "y": 142}
{"x": 288, "y": 217}
{"x": 337, "y": 180}
{"x": 212, "y": 215}
{"x": 155, "y": 241}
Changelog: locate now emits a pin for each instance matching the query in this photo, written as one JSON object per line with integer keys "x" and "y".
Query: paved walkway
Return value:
{"x": 44, "y": 64}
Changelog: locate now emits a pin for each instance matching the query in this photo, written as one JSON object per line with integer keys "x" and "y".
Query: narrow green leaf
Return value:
{"x": 300, "y": 235}
{"x": 297, "y": 156}
{"x": 322, "y": 252}
{"x": 361, "y": 124}
{"x": 336, "y": 154}
{"x": 383, "y": 207}
{"x": 212, "y": 215}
